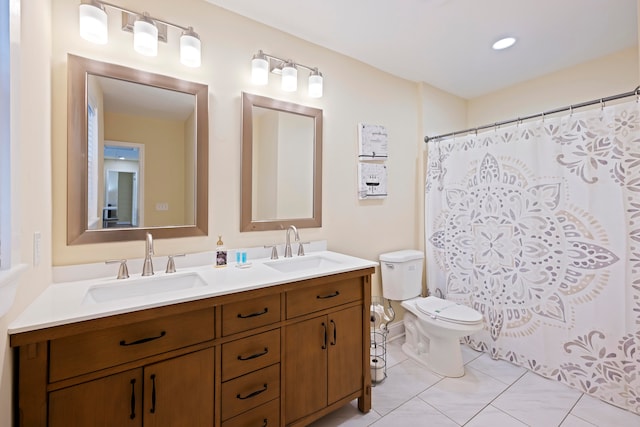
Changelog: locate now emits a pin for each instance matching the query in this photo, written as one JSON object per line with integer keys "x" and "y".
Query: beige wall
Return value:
{"x": 31, "y": 51}
{"x": 164, "y": 162}
{"x": 609, "y": 75}
{"x": 354, "y": 93}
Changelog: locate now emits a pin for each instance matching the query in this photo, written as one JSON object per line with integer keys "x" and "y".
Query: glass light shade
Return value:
{"x": 315, "y": 84}
{"x": 259, "y": 69}
{"x": 145, "y": 36}
{"x": 289, "y": 77}
{"x": 190, "y": 48}
{"x": 93, "y": 23}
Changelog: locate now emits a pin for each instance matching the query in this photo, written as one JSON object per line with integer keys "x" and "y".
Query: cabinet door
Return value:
{"x": 106, "y": 402}
{"x": 345, "y": 353}
{"x": 305, "y": 361}
{"x": 179, "y": 392}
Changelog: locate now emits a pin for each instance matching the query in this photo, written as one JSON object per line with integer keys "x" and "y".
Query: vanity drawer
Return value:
{"x": 264, "y": 415}
{"x": 244, "y": 315}
{"x": 249, "y": 354}
{"x": 321, "y": 297}
{"x": 91, "y": 351}
{"x": 250, "y": 391}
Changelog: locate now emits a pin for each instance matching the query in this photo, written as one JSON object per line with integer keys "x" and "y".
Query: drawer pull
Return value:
{"x": 324, "y": 342}
{"x": 335, "y": 294}
{"x": 334, "y": 332}
{"x": 252, "y": 394}
{"x": 153, "y": 394}
{"x": 143, "y": 340}
{"x": 259, "y": 313}
{"x": 254, "y": 356}
{"x": 264, "y": 423}
{"x": 133, "y": 399}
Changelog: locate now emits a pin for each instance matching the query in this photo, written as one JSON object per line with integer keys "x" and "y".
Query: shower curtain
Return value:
{"x": 537, "y": 226}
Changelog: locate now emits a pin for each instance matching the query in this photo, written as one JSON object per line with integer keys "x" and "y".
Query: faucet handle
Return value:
{"x": 171, "y": 265}
{"x": 123, "y": 271}
{"x": 301, "y": 248}
{"x": 274, "y": 251}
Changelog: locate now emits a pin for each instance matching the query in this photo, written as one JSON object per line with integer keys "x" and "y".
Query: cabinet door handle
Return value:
{"x": 324, "y": 343}
{"x": 335, "y": 294}
{"x": 264, "y": 423}
{"x": 133, "y": 399}
{"x": 334, "y": 332}
{"x": 153, "y": 394}
{"x": 253, "y": 356}
{"x": 256, "y": 314}
{"x": 252, "y": 394}
{"x": 143, "y": 340}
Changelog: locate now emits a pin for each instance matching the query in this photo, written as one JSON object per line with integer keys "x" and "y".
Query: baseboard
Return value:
{"x": 396, "y": 330}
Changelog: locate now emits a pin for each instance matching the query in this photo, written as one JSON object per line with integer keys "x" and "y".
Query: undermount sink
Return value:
{"x": 142, "y": 286}
{"x": 288, "y": 265}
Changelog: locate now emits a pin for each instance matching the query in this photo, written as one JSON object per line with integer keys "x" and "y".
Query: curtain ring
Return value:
{"x": 638, "y": 94}
{"x": 542, "y": 114}
{"x": 570, "y": 110}
{"x": 601, "y": 103}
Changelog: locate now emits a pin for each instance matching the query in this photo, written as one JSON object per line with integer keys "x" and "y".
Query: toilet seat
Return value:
{"x": 449, "y": 311}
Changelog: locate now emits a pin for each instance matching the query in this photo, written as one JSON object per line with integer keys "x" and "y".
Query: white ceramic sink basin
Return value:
{"x": 142, "y": 286}
{"x": 308, "y": 262}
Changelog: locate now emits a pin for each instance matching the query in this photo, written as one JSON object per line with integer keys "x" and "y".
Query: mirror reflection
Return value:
{"x": 140, "y": 124}
{"x": 140, "y": 142}
{"x": 282, "y": 178}
{"x": 281, "y": 164}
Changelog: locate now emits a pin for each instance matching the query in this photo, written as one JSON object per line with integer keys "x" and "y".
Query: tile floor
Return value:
{"x": 491, "y": 394}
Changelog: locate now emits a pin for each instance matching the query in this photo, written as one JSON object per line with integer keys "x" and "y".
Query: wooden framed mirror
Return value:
{"x": 137, "y": 154}
{"x": 281, "y": 165}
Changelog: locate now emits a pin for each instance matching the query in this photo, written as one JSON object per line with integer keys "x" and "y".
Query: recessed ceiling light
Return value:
{"x": 504, "y": 43}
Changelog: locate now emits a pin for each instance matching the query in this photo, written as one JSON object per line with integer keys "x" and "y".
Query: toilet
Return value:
{"x": 433, "y": 326}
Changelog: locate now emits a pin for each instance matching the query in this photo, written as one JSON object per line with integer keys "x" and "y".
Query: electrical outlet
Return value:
{"x": 163, "y": 206}
{"x": 37, "y": 243}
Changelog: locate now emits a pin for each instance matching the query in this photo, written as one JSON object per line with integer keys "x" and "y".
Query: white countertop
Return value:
{"x": 64, "y": 303}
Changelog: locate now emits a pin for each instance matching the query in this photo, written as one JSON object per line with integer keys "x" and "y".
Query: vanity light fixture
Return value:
{"x": 147, "y": 31}
{"x": 263, "y": 63}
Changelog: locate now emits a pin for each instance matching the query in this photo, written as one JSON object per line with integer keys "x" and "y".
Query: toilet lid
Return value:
{"x": 439, "y": 308}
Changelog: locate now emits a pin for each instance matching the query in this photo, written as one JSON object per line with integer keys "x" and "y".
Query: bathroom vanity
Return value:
{"x": 272, "y": 345}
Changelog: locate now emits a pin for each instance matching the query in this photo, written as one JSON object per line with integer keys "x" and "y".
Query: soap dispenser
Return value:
{"x": 221, "y": 253}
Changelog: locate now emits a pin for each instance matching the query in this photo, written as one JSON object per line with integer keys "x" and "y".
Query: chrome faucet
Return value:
{"x": 287, "y": 246}
{"x": 147, "y": 267}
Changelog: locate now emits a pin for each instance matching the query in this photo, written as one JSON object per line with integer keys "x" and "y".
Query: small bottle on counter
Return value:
{"x": 221, "y": 253}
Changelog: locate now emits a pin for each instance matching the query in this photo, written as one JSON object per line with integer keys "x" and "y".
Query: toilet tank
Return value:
{"x": 401, "y": 274}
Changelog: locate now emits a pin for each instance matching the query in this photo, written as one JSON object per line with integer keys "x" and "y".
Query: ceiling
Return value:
{"x": 447, "y": 43}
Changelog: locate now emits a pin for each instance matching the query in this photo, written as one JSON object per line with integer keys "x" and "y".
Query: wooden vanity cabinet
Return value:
{"x": 284, "y": 355}
{"x": 324, "y": 351}
{"x": 174, "y": 392}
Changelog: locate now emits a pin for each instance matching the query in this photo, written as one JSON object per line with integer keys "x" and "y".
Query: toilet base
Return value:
{"x": 441, "y": 354}
{"x": 451, "y": 367}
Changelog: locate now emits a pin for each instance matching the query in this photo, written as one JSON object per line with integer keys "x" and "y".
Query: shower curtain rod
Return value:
{"x": 600, "y": 101}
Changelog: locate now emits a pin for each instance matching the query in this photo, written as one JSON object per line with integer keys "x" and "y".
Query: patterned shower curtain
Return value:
{"x": 537, "y": 226}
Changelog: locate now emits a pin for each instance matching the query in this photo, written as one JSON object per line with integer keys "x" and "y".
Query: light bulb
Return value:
{"x": 259, "y": 69}
{"x": 289, "y": 77}
{"x": 93, "y": 23}
{"x": 190, "y": 48}
{"x": 145, "y": 36}
{"x": 315, "y": 84}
